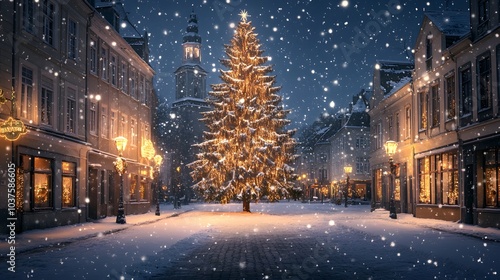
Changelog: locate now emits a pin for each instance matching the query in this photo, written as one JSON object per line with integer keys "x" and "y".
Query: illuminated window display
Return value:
{"x": 68, "y": 184}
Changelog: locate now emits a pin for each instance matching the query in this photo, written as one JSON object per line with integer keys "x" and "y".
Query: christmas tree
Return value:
{"x": 246, "y": 150}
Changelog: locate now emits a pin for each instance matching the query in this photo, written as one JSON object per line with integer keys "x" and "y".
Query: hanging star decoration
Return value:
{"x": 244, "y": 15}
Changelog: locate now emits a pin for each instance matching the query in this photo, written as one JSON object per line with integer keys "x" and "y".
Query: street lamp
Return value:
{"x": 158, "y": 160}
{"x": 121, "y": 168}
{"x": 347, "y": 171}
{"x": 390, "y": 149}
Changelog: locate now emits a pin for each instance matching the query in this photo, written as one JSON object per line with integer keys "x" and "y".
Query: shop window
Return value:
{"x": 38, "y": 177}
{"x": 438, "y": 179}
{"x": 68, "y": 184}
{"x": 142, "y": 189}
{"x": 397, "y": 183}
{"x": 491, "y": 177}
{"x": 424, "y": 180}
{"x": 378, "y": 185}
{"x": 133, "y": 188}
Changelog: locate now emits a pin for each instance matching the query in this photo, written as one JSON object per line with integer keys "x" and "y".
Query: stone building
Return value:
{"x": 76, "y": 84}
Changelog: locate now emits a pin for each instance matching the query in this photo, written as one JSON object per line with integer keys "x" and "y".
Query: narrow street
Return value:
{"x": 288, "y": 240}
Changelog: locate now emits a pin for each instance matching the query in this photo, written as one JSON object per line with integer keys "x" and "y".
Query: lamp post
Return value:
{"x": 121, "y": 168}
{"x": 390, "y": 149}
{"x": 347, "y": 171}
{"x": 158, "y": 160}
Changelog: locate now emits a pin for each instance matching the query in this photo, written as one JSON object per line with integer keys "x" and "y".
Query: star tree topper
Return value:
{"x": 244, "y": 15}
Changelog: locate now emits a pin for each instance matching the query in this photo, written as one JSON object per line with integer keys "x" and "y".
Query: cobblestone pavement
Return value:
{"x": 315, "y": 254}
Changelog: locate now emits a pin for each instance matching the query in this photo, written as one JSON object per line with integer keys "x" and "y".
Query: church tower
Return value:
{"x": 190, "y": 102}
{"x": 190, "y": 77}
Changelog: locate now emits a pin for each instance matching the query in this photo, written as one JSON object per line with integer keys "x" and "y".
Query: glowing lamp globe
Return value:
{"x": 347, "y": 169}
{"x": 121, "y": 143}
{"x": 390, "y": 147}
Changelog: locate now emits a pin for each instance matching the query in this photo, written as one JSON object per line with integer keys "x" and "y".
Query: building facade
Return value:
{"x": 190, "y": 102}
{"x": 452, "y": 154}
{"x": 59, "y": 74}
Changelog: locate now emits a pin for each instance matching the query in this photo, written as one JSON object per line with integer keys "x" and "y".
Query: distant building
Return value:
{"x": 332, "y": 143}
{"x": 190, "y": 101}
{"x": 391, "y": 119}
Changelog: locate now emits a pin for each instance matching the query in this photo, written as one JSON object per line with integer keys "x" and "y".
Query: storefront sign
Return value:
{"x": 12, "y": 129}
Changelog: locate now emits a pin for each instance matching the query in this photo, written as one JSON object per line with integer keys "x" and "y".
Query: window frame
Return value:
{"x": 72, "y": 39}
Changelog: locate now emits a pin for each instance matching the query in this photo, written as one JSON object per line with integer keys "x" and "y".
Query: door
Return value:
{"x": 93, "y": 191}
{"x": 469, "y": 194}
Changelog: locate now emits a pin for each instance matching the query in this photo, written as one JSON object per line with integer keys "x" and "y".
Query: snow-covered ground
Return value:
{"x": 108, "y": 250}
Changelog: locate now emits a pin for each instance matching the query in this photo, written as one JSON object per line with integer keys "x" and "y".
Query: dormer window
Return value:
{"x": 483, "y": 16}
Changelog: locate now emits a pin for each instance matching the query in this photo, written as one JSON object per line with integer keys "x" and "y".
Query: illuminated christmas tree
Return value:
{"x": 246, "y": 150}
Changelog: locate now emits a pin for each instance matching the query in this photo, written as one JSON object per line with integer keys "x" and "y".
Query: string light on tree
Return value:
{"x": 246, "y": 149}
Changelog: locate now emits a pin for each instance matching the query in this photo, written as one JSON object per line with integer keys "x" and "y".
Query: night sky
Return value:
{"x": 322, "y": 51}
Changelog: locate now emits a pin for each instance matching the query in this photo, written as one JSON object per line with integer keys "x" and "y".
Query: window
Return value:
{"x": 498, "y": 70}
{"x": 428, "y": 52}
{"x": 483, "y": 16}
{"x": 71, "y": 111}
{"x": 491, "y": 169}
{"x": 29, "y": 15}
{"x": 398, "y": 131}
{"x": 46, "y": 104}
{"x": 113, "y": 70}
{"x": 48, "y": 22}
{"x": 27, "y": 93}
{"x": 438, "y": 179}
{"x": 133, "y": 187}
{"x": 104, "y": 122}
{"x": 396, "y": 195}
{"x": 407, "y": 122}
{"x": 390, "y": 124}
{"x": 93, "y": 118}
{"x": 450, "y": 97}
{"x": 142, "y": 89}
{"x": 113, "y": 116}
{"x": 133, "y": 132}
{"x": 145, "y": 135}
{"x": 361, "y": 142}
{"x": 147, "y": 93}
{"x": 38, "y": 179}
{"x": 142, "y": 189}
{"x": 484, "y": 82}
{"x": 378, "y": 135}
{"x": 123, "y": 126}
{"x": 133, "y": 90}
{"x": 422, "y": 104}
{"x": 322, "y": 175}
{"x": 123, "y": 77}
{"x": 378, "y": 184}
{"x": 465, "y": 91}
{"x": 104, "y": 64}
{"x": 362, "y": 165}
{"x": 435, "y": 100}
{"x": 449, "y": 180}
{"x": 93, "y": 57}
{"x": 72, "y": 39}
{"x": 424, "y": 177}
{"x": 68, "y": 184}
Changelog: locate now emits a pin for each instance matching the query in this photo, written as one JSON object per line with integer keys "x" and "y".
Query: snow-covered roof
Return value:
{"x": 451, "y": 23}
{"x": 360, "y": 106}
{"x": 394, "y": 75}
